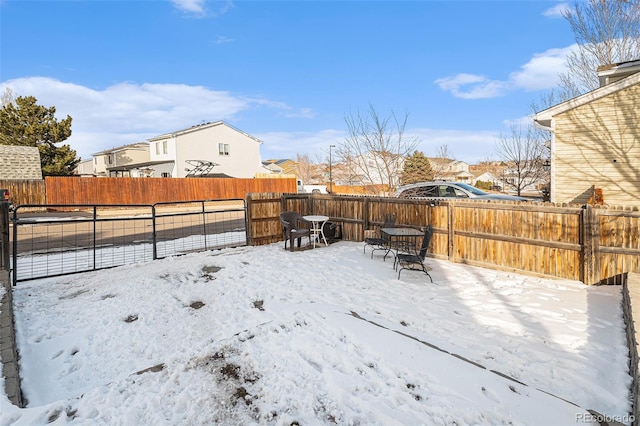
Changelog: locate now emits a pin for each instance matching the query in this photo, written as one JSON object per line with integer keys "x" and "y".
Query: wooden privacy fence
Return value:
{"x": 121, "y": 190}
{"x": 585, "y": 243}
{"x": 25, "y": 191}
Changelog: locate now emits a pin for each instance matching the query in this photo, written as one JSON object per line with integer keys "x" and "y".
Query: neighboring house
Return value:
{"x": 273, "y": 167}
{"x": 20, "y": 162}
{"x": 85, "y": 168}
{"x": 284, "y": 166}
{"x": 451, "y": 170}
{"x": 596, "y": 140}
{"x": 121, "y": 161}
{"x": 487, "y": 177}
{"x": 228, "y": 150}
{"x": 377, "y": 168}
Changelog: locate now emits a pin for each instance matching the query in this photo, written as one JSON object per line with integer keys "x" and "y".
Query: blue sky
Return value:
{"x": 286, "y": 72}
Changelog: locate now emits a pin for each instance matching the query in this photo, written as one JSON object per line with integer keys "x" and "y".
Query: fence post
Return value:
{"x": 249, "y": 219}
{"x": 204, "y": 224}
{"x": 365, "y": 219}
{"x": 590, "y": 246}
{"x": 95, "y": 235}
{"x": 5, "y": 264}
{"x": 14, "y": 260}
{"x": 154, "y": 235}
{"x": 451, "y": 250}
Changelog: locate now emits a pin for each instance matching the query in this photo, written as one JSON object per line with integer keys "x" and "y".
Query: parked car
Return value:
{"x": 447, "y": 190}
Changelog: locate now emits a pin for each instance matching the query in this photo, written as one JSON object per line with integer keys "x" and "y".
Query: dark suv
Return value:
{"x": 448, "y": 190}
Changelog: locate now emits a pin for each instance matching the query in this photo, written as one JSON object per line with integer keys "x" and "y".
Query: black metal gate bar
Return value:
{"x": 85, "y": 240}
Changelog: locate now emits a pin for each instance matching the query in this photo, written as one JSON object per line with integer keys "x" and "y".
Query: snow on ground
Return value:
{"x": 260, "y": 335}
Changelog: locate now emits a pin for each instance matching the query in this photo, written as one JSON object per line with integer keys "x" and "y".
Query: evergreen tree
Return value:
{"x": 23, "y": 122}
{"x": 417, "y": 168}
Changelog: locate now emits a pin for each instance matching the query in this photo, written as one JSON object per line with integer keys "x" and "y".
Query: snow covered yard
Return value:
{"x": 260, "y": 335}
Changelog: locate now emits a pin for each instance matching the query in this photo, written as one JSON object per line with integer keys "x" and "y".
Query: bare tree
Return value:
{"x": 524, "y": 154}
{"x": 440, "y": 163}
{"x": 7, "y": 97}
{"x": 607, "y": 32}
{"x": 306, "y": 170}
{"x": 376, "y": 146}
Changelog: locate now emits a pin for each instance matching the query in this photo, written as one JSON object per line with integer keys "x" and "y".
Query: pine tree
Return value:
{"x": 23, "y": 122}
{"x": 417, "y": 168}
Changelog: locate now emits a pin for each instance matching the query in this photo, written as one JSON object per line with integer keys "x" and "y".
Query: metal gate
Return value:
{"x": 53, "y": 240}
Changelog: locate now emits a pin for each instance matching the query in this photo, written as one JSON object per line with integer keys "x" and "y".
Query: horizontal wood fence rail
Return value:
{"x": 585, "y": 243}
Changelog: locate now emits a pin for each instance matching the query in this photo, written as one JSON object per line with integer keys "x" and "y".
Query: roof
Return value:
{"x": 199, "y": 127}
{"x": 137, "y": 145}
{"x": 608, "y": 74}
{"x": 543, "y": 118}
{"x": 20, "y": 162}
{"x": 286, "y": 166}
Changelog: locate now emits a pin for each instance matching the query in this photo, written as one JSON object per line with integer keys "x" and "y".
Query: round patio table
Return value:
{"x": 317, "y": 222}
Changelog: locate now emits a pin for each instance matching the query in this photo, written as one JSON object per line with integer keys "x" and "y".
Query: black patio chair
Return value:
{"x": 379, "y": 243}
{"x": 414, "y": 261}
{"x": 294, "y": 227}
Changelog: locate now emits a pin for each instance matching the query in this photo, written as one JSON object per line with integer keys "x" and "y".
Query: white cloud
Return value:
{"x": 301, "y": 113}
{"x": 540, "y": 73}
{"x": 470, "y": 86}
{"x": 191, "y": 6}
{"x": 127, "y": 112}
{"x": 557, "y": 10}
{"x": 471, "y": 146}
{"x": 288, "y": 144}
{"x": 199, "y": 7}
{"x": 222, "y": 40}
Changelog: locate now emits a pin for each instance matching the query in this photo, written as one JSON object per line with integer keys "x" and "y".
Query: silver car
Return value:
{"x": 448, "y": 190}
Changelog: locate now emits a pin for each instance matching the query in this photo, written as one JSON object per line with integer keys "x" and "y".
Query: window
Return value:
{"x": 165, "y": 174}
{"x": 164, "y": 147}
{"x": 157, "y": 148}
{"x": 223, "y": 149}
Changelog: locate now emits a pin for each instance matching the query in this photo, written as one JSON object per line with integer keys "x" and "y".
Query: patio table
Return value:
{"x": 317, "y": 222}
{"x": 399, "y": 237}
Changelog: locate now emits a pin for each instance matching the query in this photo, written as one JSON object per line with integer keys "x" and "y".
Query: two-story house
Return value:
{"x": 596, "y": 140}
{"x": 218, "y": 148}
{"x": 451, "y": 170}
{"x": 118, "y": 162}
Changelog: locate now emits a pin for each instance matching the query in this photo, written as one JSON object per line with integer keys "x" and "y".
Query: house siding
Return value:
{"x": 598, "y": 144}
{"x": 120, "y": 156}
{"x": 243, "y": 160}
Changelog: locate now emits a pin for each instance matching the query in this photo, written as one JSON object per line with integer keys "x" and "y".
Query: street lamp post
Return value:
{"x": 330, "y": 171}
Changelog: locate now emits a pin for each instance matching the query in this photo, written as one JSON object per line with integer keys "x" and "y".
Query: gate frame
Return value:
{"x": 154, "y": 216}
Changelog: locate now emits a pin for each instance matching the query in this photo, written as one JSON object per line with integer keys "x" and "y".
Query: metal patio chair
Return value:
{"x": 379, "y": 243}
{"x": 414, "y": 261}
